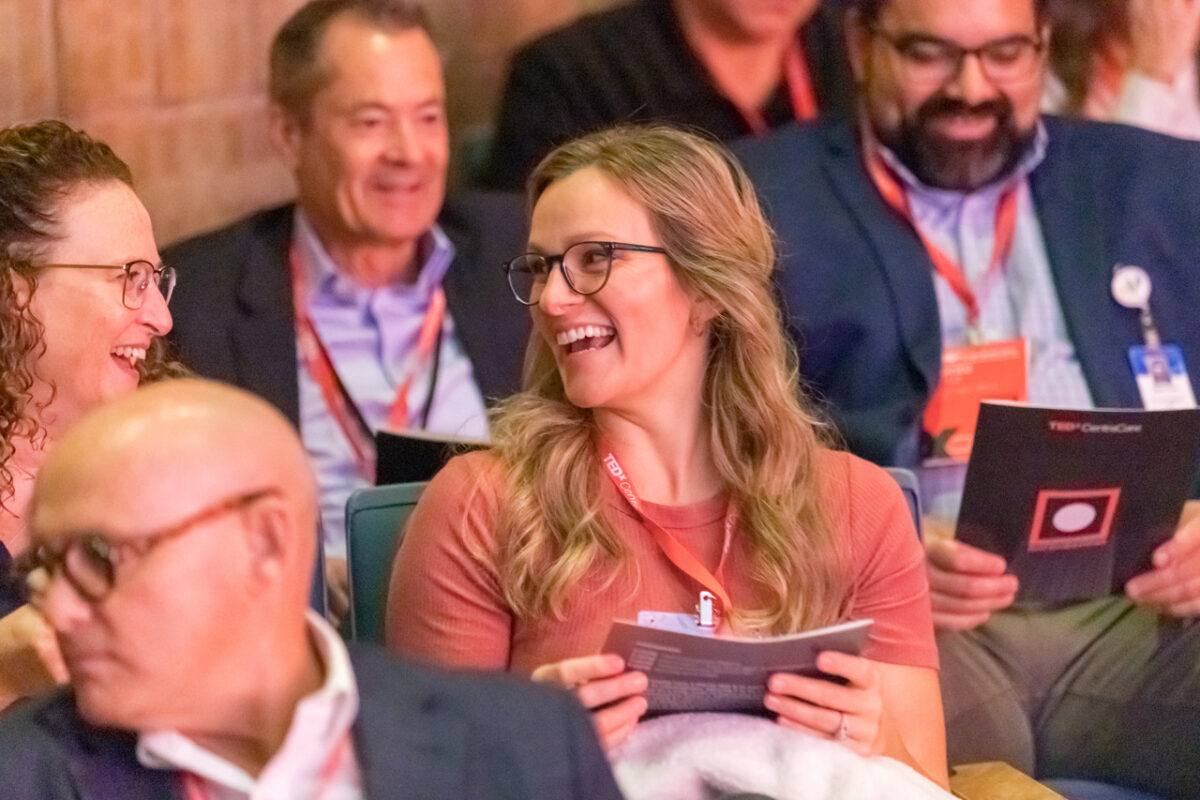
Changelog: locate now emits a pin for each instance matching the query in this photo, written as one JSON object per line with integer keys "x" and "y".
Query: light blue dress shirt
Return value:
{"x": 369, "y": 333}
{"x": 1019, "y": 300}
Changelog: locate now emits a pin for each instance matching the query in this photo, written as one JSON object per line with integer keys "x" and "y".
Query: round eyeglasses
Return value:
{"x": 139, "y": 277}
{"x": 585, "y": 265}
{"x": 933, "y": 61}
{"x": 89, "y": 561}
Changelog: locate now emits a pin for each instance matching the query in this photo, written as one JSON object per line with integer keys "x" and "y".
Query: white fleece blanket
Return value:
{"x": 707, "y": 756}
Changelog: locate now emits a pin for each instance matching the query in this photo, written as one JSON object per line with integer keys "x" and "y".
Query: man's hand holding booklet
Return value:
{"x": 1077, "y": 501}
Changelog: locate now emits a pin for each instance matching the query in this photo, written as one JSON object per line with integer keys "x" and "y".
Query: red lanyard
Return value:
{"x": 679, "y": 555}
{"x": 1005, "y": 230}
{"x": 320, "y": 368}
{"x": 194, "y": 785}
{"x": 804, "y": 102}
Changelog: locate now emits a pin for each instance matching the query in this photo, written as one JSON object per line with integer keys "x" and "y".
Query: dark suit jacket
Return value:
{"x": 857, "y": 283}
{"x": 631, "y": 63}
{"x": 233, "y": 306}
{"x": 419, "y": 735}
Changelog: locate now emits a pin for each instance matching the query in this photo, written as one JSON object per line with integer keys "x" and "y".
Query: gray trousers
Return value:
{"x": 1102, "y": 690}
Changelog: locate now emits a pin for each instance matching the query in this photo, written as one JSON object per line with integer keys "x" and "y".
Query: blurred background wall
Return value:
{"x": 178, "y": 87}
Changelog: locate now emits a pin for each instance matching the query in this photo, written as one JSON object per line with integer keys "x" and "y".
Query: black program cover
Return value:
{"x": 1076, "y": 501}
{"x": 416, "y": 456}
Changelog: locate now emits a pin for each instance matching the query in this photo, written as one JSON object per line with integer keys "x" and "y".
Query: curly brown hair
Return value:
{"x": 41, "y": 163}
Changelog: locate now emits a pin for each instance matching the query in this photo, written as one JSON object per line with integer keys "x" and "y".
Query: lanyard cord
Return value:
{"x": 679, "y": 555}
{"x": 1005, "y": 232}
{"x": 320, "y": 367}
{"x": 800, "y": 91}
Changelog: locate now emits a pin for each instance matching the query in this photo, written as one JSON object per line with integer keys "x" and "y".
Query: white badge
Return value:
{"x": 679, "y": 623}
{"x": 1131, "y": 286}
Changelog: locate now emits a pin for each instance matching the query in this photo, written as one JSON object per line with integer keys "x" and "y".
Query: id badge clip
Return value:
{"x": 1158, "y": 369}
{"x": 678, "y": 622}
{"x": 705, "y": 615}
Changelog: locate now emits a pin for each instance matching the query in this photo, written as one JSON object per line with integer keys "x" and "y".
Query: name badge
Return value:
{"x": 678, "y": 623}
{"x": 970, "y": 375}
{"x": 1161, "y": 377}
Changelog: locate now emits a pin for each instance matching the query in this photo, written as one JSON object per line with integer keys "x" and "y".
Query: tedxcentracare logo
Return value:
{"x": 1069, "y": 519}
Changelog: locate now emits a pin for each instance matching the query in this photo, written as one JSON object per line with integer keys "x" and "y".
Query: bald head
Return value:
{"x": 192, "y": 439}
{"x": 186, "y": 513}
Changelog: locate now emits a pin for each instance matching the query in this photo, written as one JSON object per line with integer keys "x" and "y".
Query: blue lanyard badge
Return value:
{"x": 1162, "y": 377}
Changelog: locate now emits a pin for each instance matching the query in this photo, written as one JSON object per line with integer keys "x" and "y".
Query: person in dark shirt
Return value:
{"x": 729, "y": 68}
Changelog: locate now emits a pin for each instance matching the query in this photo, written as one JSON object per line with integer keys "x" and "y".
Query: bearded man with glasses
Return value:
{"x": 173, "y": 540}
{"x": 950, "y": 215}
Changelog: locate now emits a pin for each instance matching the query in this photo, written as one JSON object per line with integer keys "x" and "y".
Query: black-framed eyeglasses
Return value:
{"x": 139, "y": 277}
{"x": 90, "y": 561}
{"x": 931, "y": 60}
{"x": 585, "y": 265}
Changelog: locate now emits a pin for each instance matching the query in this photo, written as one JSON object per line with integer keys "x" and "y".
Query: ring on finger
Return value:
{"x": 843, "y": 728}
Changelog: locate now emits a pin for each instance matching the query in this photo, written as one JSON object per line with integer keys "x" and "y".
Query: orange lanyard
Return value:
{"x": 799, "y": 84}
{"x": 194, "y": 785}
{"x": 1005, "y": 231}
{"x": 320, "y": 368}
{"x": 679, "y": 555}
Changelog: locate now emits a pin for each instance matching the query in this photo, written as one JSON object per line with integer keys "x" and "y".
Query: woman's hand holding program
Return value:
{"x": 615, "y": 697}
{"x": 852, "y": 714}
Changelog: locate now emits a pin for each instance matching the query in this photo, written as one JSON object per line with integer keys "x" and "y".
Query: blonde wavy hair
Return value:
{"x": 764, "y": 440}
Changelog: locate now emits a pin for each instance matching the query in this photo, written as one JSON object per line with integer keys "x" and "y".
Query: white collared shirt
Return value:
{"x": 316, "y": 760}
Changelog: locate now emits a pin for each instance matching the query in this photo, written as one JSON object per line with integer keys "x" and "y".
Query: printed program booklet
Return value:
{"x": 699, "y": 672}
{"x": 1076, "y": 501}
{"x": 415, "y": 455}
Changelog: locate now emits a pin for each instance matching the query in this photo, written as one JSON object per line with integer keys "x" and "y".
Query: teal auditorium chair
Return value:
{"x": 375, "y": 520}
{"x": 907, "y": 481}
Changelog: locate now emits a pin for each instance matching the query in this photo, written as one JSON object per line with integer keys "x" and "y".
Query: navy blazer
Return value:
{"x": 419, "y": 735}
{"x": 234, "y": 318}
{"x": 857, "y": 287}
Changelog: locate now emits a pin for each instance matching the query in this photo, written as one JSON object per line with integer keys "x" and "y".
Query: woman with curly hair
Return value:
{"x": 660, "y": 449}
{"x": 83, "y": 307}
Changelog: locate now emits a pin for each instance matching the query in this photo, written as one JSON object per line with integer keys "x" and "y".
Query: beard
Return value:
{"x": 953, "y": 164}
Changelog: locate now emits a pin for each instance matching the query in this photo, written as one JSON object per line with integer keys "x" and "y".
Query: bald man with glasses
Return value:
{"x": 174, "y": 533}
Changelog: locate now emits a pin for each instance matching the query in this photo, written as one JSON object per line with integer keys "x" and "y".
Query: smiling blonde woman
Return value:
{"x": 661, "y": 406}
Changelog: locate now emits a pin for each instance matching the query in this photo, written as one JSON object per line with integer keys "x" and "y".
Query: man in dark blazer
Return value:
{"x": 404, "y": 320}
{"x": 872, "y": 215}
{"x": 174, "y": 534}
{"x": 693, "y": 63}
{"x": 234, "y": 317}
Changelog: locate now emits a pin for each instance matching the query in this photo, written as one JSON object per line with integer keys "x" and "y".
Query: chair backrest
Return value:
{"x": 375, "y": 520}
{"x": 317, "y": 597}
{"x": 912, "y": 494}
